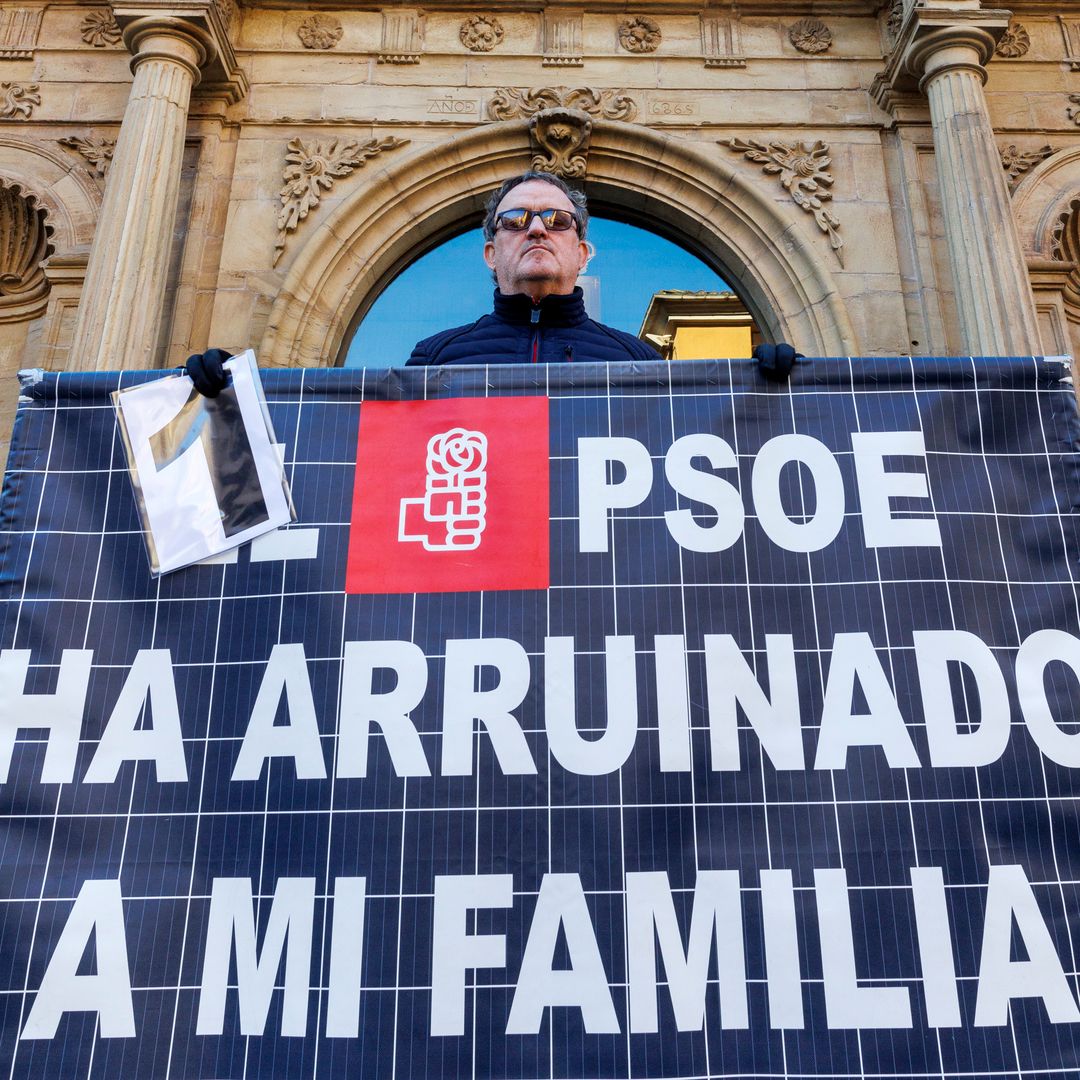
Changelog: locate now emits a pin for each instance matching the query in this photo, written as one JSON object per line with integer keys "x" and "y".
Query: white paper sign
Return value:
{"x": 206, "y": 471}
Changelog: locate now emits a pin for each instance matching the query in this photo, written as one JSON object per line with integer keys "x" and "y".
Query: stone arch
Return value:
{"x": 70, "y": 198}
{"x": 1065, "y": 240}
{"x": 1046, "y": 206}
{"x": 1043, "y": 196}
{"x": 409, "y": 205}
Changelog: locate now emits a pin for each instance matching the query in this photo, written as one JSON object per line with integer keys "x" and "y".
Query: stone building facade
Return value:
{"x": 874, "y": 177}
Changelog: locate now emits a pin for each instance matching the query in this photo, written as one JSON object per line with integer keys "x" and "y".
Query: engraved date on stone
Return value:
{"x": 673, "y": 108}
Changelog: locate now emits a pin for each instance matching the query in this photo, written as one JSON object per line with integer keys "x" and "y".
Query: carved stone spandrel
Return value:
{"x": 640, "y": 34}
{"x": 99, "y": 28}
{"x": 801, "y": 169}
{"x": 19, "y": 29}
{"x": 319, "y": 32}
{"x": 810, "y": 36}
{"x": 560, "y": 141}
{"x": 311, "y": 168}
{"x": 509, "y": 103}
{"x": 17, "y": 101}
{"x": 1014, "y": 43}
{"x": 98, "y": 152}
{"x": 1017, "y": 162}
{"x": 481, "y": 33}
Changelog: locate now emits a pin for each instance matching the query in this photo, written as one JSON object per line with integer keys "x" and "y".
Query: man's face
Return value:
{"x": 536, "y": 261}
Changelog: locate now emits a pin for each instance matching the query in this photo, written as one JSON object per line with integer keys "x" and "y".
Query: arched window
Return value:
{"x": 637, "y": 281}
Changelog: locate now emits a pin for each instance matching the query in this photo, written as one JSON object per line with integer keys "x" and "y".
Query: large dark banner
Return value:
{"x": 640, "y": 721}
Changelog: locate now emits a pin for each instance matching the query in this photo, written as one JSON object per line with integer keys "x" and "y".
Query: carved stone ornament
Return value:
{"x": 1014, "y": 42}
{"x": 639, "y": 34}
{"x": 810, "y": 36}
{"x": 1017, "y": 162}
{"x": 721, "y": 39}
{"x": 99, "y": 28}
{"x": 801, "y": 169}
{"x": 509, "y": 104}
{"x": 481, "y": 33}
{"x": 402, "y": 38}
{"x": 98, "y": 152}
{"x": 19, "y": 29}
{"x": 1065, "y": 247}
{"x": 560, "y": 139}
{"x": 311, "y": 167}
{"x": 319, "y": 32}
{"x": 228, "y": 11}
{"x": 18, "y": 101}
{"x": 24, "y": 246}
{"x": 1073, "y": 112}
{"x": 895, "y": 20}
{"x": 561, "y": 38}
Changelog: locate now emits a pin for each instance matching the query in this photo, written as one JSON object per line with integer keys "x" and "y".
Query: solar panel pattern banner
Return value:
{"x": 630, "y": 721}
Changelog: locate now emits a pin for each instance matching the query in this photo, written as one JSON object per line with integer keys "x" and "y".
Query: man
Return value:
{"x": 534, "y": 232}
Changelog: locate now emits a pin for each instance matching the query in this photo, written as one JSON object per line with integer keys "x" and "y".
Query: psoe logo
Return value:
{"x": 450, "y": 496}
{"x": 452, "y": 513}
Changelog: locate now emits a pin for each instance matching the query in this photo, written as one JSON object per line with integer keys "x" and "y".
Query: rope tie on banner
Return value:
{"x": 207, "y": 371}
{"x": 776, "y": 361}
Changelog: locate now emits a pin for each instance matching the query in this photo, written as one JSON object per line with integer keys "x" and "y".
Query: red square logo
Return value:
{"x": 450, "y": 496}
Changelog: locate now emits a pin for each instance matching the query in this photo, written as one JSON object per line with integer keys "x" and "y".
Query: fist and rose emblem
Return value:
{"x": 452, "y": 513}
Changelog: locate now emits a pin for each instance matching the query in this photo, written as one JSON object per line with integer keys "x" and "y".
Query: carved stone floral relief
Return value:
{"x": 560, "y": 141}
{"x": 1017, "y": 162}
{"x": 509, "y": 103}
{"x": 801, "y": 169}
{"x": 640, "y": 34}
{"x": 1073, "y": 112}
{"x": 24, "y": 246}
{"x": 99, "y": 28}
{"x": 98, "y": 152}
{"x": 319, "y": 32}
{"x": 810, "y": 36}
{"x": 481, "y": 33}
{"x": 311, "y": 167}
{"x": 1014, "y": 42}
{"x": 17, "y": 101}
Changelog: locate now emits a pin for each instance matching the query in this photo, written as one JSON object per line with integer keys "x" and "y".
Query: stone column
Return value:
{"x": 125, "y": 279}
{"x": 121, "y": 306}
{"x": 945, "y": 49}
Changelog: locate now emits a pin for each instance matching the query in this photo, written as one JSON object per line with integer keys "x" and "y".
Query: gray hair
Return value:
{"x": 575, "y": 196}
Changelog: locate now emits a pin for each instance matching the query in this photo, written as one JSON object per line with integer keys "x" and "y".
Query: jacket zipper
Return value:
{"x": 534, "y": 318}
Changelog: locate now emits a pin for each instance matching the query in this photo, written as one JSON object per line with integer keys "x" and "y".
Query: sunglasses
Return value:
{"x": 554, "y": 220}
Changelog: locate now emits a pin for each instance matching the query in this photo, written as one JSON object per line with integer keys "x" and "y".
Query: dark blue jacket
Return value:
{"x": 518, "y": 332}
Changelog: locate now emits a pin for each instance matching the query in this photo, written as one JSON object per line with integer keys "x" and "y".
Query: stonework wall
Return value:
{"x": 326, "y": 146}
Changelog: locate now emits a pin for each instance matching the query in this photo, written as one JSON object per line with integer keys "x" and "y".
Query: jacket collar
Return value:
{"x": 555, "y": 310}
